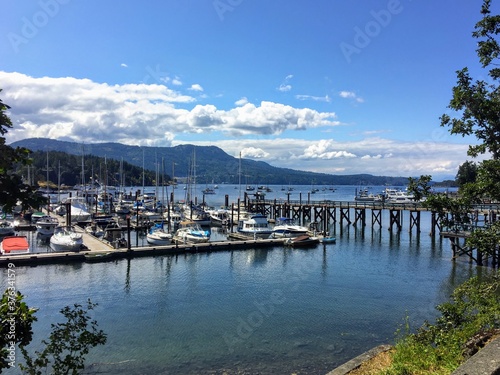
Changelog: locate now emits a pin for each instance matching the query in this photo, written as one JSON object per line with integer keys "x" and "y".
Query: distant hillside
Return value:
{"x": 212, "y": 164}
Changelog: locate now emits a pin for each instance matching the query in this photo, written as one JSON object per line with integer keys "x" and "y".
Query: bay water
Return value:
{"x": 257, "y": 311}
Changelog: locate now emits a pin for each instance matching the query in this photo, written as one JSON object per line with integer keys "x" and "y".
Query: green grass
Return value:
{"x": 440, "y": 348}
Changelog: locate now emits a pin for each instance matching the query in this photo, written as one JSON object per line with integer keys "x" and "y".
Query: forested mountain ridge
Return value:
{"x": 211, "y": 164}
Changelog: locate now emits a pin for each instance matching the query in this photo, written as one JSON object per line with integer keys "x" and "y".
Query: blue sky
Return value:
{"x": 340, "y": 87}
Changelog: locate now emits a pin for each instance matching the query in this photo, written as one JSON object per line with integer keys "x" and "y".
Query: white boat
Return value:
{"x": 6, "y": 228}
{"x": 14, "y": 245}
{"x": 256, "y": 226}
{"x": 286, "y": 227}
{"x": 363, "y": 196}
{"x": 190, "y": 232}
{"x": 158, "y": 236}
{"x": 398, "y": 196}
{"x": 46, "y": 225}
{"x": 79, "y": 209}
{"x": 219, "y": 217}
{"x": 66, "y": 239}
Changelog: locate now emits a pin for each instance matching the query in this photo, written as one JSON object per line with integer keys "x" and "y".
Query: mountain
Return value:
{"x": 210, "y": 164}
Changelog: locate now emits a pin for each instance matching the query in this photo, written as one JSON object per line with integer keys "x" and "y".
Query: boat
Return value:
{"x": 158, "y": 236}
{"x": 6, "y": 228}
{"x": 219, "y": 217}
{"x": 362, "y": 195}
{"x": 45, "y": 226}
{"x": 191, "y": 232}
{"x": 327, "y": 239}
{"x": 79, "y": 209}
{"x": 398, "y": 196}
{"x": 255, "y": 226}
{"x": 208, "y": 191}
{"x": 66, "y": 239}
{"x": 302, "y": 241}
{"x": 14, "y": 245}
{"x": 35, "y": 216}
{"x": 286, "y": 227}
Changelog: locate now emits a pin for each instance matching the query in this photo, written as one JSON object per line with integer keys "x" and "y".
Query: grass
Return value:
{"x": 468, "y": 321}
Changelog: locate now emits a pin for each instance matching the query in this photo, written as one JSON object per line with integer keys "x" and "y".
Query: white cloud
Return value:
{"x": 254, "y": 153}
{"x": 351, "y": 95}
{"x": 241, "y": 102}
{"x": 285, "y": 86}
{"x": 123, "y": 65}
{"x": 80, "y": 109}
{"x": 176, "y": 81}
{"x": 196, "y": 87}
{"x": 325, "y": 98}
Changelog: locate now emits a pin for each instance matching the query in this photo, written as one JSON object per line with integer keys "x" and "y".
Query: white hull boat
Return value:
{"x": 256, "y": 226}
{"x": 190, "y": 232}
{"x": 158, "y": 236}
{"x": 66, "y": 239}
{"x": 45, "y": 226}
{"x": 286, "y": 227}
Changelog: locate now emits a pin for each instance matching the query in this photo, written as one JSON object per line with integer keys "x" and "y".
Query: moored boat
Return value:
{"x": 65, "y": 238}
{"x": 6, "y": 228}
{"x": 190, "y": 232}
{"x": 286, "y": 227}
{"x": 45, "y": 226}
{"x": 158, "y": 236}
{"x": 256, "y": 226}
{"x": 14, "y": 245}
{"x": 302, "y": 241}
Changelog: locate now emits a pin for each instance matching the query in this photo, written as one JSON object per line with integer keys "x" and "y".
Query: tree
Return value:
{"x": 479, "y": 102}
{"x": 68, "y": 344}
{"x": 15, "y": 328}
{"x": 467, "y": 172}
{"x": 12, "y": 187}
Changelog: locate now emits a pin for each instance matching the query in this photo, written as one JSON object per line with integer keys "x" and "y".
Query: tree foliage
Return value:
{"x": 478, "y": 102}
{"x": 16, "y": 320}
{"x": 68, "y": 343}
{"x": 65, "y": 350}
{"x": 12, "y": 187}
{"x": 467, "y": 172}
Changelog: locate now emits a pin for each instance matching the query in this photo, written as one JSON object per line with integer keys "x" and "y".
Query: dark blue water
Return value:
{"x": 266, "y": 311}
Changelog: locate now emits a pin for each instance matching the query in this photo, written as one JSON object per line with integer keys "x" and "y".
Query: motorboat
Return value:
{"x": 398, "y": 196}
{"x": 302, "y": 241}
{"x": 6, "y": 228}
{"x": 65, "y": 238}
{"x": 46, "y": 225}
{"x": 255, "y": 226}
{"x": 191, "y": 232}
{"x": 158, "y": 236}
{"x": 219, "y": 217}
{"x": 14, "y": 245}
{"x": 362, "y": 195}
{"x": 286, "y": 227}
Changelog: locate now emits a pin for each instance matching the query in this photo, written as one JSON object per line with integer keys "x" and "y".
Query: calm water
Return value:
{"x": 266, "y": 311}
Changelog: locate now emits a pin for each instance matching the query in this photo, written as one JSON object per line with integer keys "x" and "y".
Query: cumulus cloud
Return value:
{"x": 80, "y": 109}
{"x": 254, "y": 153}
{"x": 196, "y": 87}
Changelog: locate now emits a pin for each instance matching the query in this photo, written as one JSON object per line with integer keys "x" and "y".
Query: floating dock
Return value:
{"x": 104, "y": 252}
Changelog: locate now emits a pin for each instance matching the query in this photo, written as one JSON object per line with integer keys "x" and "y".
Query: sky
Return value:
{"x": 330, "y": 86}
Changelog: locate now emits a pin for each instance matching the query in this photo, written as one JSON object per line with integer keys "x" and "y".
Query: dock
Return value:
{"x": 99, "y": 251}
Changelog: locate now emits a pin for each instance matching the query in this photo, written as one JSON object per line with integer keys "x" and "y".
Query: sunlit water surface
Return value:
{"x": 266, "y": 311}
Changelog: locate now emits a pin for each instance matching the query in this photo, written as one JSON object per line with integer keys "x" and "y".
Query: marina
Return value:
{"x": 241, "y": 304}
